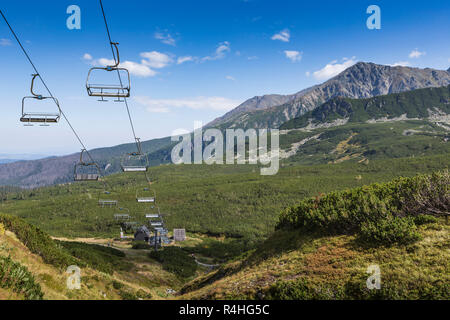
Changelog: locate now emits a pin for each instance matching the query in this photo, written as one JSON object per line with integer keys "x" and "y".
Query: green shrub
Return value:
{"x": 126, "y": 295}
{"x": 424, "y": 219}
{"x": 378, "y": 206}
{"x": 38, "y": 242}
{"x": 141, "y": 245}
{"x": 302, "y": 289}
{"x": 428, "y": 195}
{"x": 356, "y": 289}
{"x": 176, "y": 260}
{"x": 104, "y": 259}
{"x": 17, "y": 277}
{"x": 143, "y": 295}
{"x": 390, "y": 231}
{"x": 117, "y": 285}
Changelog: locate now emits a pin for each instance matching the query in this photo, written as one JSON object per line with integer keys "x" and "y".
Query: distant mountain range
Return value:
{"x": 10, "y": 158}
{"x": 361, "y": 81}
{"x": 3, "y": 161}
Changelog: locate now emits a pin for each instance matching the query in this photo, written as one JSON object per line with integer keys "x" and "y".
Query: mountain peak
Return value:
{"x": 360, "y": 81}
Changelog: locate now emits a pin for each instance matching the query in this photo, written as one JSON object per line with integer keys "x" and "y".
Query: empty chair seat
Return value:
{"x": 146, "y": 200}
{"x": 40, "y": 118}
{"x": 156, "y": 224}
{"x": 87, "y": 177}
{"x": 122, "y": 216}
{"x": 107, "y": 91}
{"x": 110, "y": 203}
{"x": 134, "y": 169}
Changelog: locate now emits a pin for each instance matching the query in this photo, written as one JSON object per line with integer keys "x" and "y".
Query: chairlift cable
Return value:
{"x": 118, "y": 73}
{"x": 137, "y": 141}
{"x": 45, "y": 85}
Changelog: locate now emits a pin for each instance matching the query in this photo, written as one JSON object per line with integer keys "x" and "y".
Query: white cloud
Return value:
{"x": 401, "y": 64}
{"x": 284, "y": 35}
{"x": 182, "y": 60}
{"x": 230, "y": 78}
{"x": 415, "y": 54}
{"x": 333, "y": 69}
{"x": 221, "y": 51}
{"x": 87, "y": 57}
{"x": 196, "y": 103}
{"x": 253, "y": 58}
{"x": 155, "y": 59}
{"x": 137, "y": 69}
{"x": 5, "y": 42}
{"x": 307, "y": 73}
{"x": 294, "y": 56}
{"x": 152, "y": 60}
{"x": 166, "y": 38}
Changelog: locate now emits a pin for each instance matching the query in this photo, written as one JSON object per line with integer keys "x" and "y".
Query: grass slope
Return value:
{"x": 317, "y": 251}
{"x": 34, "y": 267}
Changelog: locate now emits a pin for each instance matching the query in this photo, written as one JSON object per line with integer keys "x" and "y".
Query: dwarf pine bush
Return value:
{"x": 37, "y": 242}
{"x": 380, "y": 212}
{"x": 17, "y": 277}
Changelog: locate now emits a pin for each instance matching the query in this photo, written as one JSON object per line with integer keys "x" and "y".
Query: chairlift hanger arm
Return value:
{"x": 114, "y": 45}
{"x": 39, "y": 96}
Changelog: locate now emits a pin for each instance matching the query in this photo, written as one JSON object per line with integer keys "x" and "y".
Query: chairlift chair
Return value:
{"x": 43, "y": 118}
{"x": 146, "y": 196}
{"x": 122, "y": 217}
{"x": 102, "y": 91}
{"x": 86, "y": 171}
{"x": 155, "y": 220}
{"x": 135, "y": 161}
{"x": 106, "y": 200}
{"x": 156, "y": 224}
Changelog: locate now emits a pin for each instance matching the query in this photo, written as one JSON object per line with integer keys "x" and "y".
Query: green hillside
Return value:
{"x": 203, "y": 199}
{"x": 320, "y": 250}
{"x": 362, "y": 142}
{"x": 413, "y": 104}
{"x": 324, "y": 246}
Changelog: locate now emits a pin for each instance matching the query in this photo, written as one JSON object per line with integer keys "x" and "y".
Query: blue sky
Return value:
{"x": 195, "y": 60}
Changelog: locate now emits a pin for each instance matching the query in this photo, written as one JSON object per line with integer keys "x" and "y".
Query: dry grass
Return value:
{"x": 333, "y": 262}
